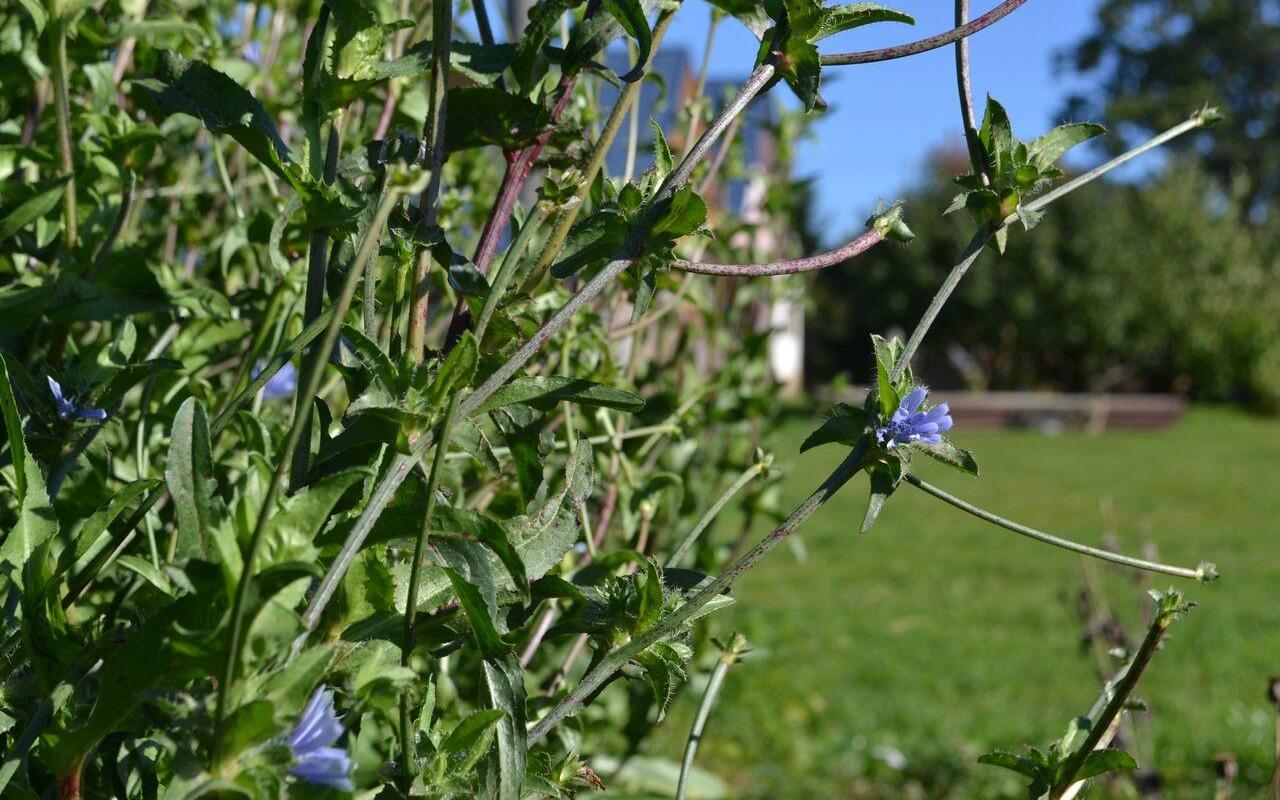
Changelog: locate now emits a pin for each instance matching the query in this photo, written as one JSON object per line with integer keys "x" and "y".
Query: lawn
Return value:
{"x": 886, "y": 663}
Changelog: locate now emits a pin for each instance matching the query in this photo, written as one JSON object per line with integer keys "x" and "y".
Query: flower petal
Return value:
{"x": 913, "y": 399}
{"x": 326, "y": 766}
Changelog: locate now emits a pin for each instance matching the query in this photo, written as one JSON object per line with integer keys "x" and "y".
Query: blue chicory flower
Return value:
{"x": 68, "y": 409}
{"x": 316, "y": 760}
{"x": 283, "y": 384}
{"x": 909, "y": 424}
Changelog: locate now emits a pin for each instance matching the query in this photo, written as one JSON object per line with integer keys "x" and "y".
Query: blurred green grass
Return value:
{"x": 887, "y": 663}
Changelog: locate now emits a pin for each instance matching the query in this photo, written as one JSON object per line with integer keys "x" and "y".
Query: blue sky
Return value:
{"x": 886, "y": 117}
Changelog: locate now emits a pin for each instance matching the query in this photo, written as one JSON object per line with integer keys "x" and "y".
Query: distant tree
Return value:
{"x": 1157, "y": 287}
{"x": 1150, "y": 61}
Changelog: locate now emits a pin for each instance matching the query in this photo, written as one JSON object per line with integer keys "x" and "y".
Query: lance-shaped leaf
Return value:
{"x": 544, "y": 392}
{"x": 36, "y": 523}
{"x": 224, "y": 106}
{"x": 43, "y": 198}
{"x": 947, "y": 453}
{"x": 844, "y": 425}
{"x": 1045, "y": 150}
{"x": 630, "y": 15}
{"x": 835, "y": 19}
{"x": 485, "y": 115}
{"x": 884, "y": 477}
{"x": 189, "y": 474}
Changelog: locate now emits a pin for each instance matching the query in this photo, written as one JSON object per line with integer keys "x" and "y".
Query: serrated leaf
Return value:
{"x": 545, "y": 392}
{"x": 845, "y": 425}
{"x": 484, "y": 115}
{"x": 597, "y": 237}
{"x": 662, "y": 159}
{"x": 947, "y": 453}
{"x": 836, "y": 19}
{"x": 684, "y": 214}
{"x": 1044, "y": 151}
{"x": 1105, "y": 760}
{"x": 224, "y": 106}
{"x": 1010, "y": 761}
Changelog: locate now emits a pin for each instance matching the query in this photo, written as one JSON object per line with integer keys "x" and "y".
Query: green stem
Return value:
{"x": 311, "y": 385}
{"x": 1200, "y": 119}
{"x": 1205, "y": 572}
{"x": 716, "y": 507}
{"x": 564, "y": 222}
{"x": 399, "y": 469}
{"x": 1119, "y": 697}
{"x": 62, "y": 107}
{"x": 669, "y": 624}
{"x": 317, "y": 275}
{"x": 433, "y": 135}
{"x": 726, "y": 660}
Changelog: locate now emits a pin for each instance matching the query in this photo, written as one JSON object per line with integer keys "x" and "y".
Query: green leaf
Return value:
{"x": 630, "y": 15}
{"x": 544, "y": 17}
{"x": 470, "y": 739}
{"x": 43, "y": 199}
{"x": 505, "y": 680}
{"x": 887, "y": 395}
{"x": 94, "y": 527}
{"x": 189, "y": 474}
{"x": 749, "y": 12}
{"x": 546, "y": 534}
{"x": 477, "y": 610}
{"x": 248, "y": 725}
{"x": 996, "y": 136}
{"x": 545, "y": 392}
{"x": 947, "y": 453}
{"x": 599, "y": 236}
{"x": 1045, "y": 150}
{"x": 148, "y": 572}
{"x": 662, "y": 159}
{"x": 801, "y": 66}
{"x": 884, "y": 478}
{"x": 13, "y": 428}
{"x": 488, "y": 531}
{"x": 456, "y": 372}
{"x": 485, "y": 115}
{"x": 1105, "y": 760}
{"x": 854, "y": 15}
{"x": 199, "y": 90}
{"x": 685, "y": 213}
{"x": 845, "y": 425}
{"x": 1010, "y": 761}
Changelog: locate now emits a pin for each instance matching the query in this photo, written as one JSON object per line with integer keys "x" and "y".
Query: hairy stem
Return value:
{"x": 1120, "y": 694}
{"x": 709, "y": 695}
{"x": 966, "y": 95}
{"x": 924, "y": 45}
{"x": 1202, "y": 573}
{"x": 813, "y": 263}
{"x": 669, "y": 624}
{"x": 433, "y": 139}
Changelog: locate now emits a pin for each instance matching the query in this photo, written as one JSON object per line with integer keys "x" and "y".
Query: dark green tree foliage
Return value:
{"x": 1155, "y": 288}
{"x": 1150, "y": 59}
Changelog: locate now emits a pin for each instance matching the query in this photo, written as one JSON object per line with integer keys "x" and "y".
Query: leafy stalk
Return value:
{"x": 400, "y": 468}
{"x": 1202, "y": 118}
{"x": 618, "y": 658}
{"x": 302, "y": 413}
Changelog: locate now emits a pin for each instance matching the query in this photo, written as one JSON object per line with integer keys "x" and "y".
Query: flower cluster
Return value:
{"x": 909, "y": 425}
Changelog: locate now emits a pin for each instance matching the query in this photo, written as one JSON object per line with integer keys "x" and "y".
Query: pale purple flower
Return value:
{"x": 68, "y": 409}
{"x": 316, "y": 760}
{"x": 909, "y": 424}
{"x": 283, "y": 384}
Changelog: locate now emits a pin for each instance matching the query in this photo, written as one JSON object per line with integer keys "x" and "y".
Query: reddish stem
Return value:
{"x": 830, "y": 258}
